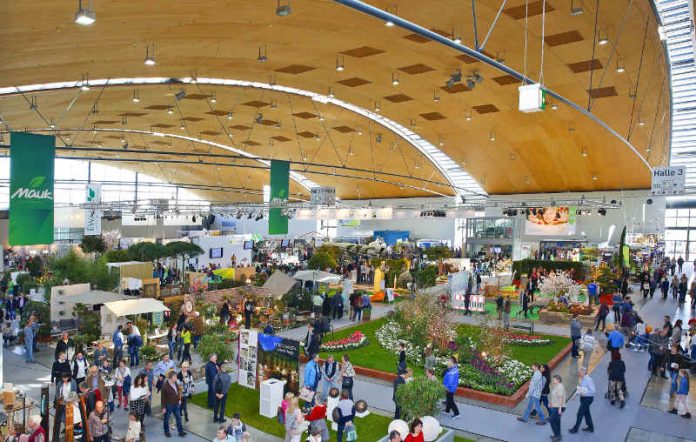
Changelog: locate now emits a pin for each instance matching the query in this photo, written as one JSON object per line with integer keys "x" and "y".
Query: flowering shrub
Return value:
{"x": 557, "y": 284}
{"x": 389, "y": 337}
{"x": 356, "y": 340}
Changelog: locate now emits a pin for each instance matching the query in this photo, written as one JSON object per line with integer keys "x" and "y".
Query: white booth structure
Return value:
{"x": 271, "y": 397}
{"x": 114, "y": 313}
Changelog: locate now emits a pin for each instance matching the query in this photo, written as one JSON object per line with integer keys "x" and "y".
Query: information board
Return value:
{"x": 323, "y": 196}
{"x": 248, "y": 353}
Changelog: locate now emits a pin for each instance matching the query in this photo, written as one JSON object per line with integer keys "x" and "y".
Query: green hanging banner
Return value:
{"x": 280, "y": 183}
{"x": 31, "y": 188}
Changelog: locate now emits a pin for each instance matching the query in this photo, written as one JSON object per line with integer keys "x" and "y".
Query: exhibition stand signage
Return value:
{"x": 248, "y": 344}
{"x": 31, "y": 188}
{"x": 280, "y": 183}
{"x": 323, "y": 196}
{"x": 668, "y": 180}
{"x": 93, "y": 216}
{"x": 279, "y": 358}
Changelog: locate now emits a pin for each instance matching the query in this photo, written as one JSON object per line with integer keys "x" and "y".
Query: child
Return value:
{"x": 236, "y": 429}
{"x": 284, "y": 406}
{"x": 682, "y": 382}
{"x": 133, "y": 433}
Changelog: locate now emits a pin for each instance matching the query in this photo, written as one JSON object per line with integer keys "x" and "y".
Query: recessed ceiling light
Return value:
{"x": 594, "y": 177}
{"x": 136, "y": 97}
{"x": 85, "y": 16}
{"x": 389, "y": 24}
{"x": 150, "y": 57}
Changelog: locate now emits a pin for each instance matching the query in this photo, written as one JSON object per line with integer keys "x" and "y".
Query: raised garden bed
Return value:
{"x": 548, "y": 317}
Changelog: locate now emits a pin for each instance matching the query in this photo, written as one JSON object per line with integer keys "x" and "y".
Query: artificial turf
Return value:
{"x": 376, "y": 357}
{"x": 245, "y": 401}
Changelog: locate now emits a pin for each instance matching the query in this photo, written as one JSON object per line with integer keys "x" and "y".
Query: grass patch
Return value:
{"x": 376, "y": 357}
{"x": 245, "y": 401}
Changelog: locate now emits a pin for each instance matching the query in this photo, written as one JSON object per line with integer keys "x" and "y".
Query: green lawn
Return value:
{"x": 375, "y": 357}
{"x": 245, "y": 401}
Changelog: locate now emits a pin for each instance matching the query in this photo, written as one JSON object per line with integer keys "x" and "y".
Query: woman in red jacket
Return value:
{"x": 416, "y": 434}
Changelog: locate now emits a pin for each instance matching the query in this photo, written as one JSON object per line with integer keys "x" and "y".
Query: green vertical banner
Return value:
{"x": 31, "y": 188}
{"x": 280, "y": 183}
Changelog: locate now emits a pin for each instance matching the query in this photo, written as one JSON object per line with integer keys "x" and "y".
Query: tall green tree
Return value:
{"x": 93, "y": 244}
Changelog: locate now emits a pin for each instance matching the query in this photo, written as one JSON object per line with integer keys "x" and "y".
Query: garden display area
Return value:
{"x": 245, "y": 401}
{"x": 490, "y": 359}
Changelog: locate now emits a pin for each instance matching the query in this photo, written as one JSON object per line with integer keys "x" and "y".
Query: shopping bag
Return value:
{"x": 351, "y": 434}
{"x": 306, "y": 394}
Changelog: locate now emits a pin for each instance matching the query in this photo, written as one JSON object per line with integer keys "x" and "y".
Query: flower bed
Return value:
{"x": 526, "y": 340}
{"x": 356, "y": 340}
{"x": 492, "y": 375}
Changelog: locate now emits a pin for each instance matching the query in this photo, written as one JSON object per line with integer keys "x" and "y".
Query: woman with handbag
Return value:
{"x": 185, "y": 378}
{"x": 293, "y": 421}
{"x": 345, "y": 412}
{"x": 347, "y": 375}
{"x": 139, "y": 394}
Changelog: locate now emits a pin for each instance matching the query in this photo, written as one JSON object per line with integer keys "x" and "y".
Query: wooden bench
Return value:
{"x": 529, "y": 326}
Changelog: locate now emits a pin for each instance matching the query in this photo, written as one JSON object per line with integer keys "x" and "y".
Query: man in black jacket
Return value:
{"x": 60, "y": 366}
{"x": 400, "y": 380}
{"x": 210, "y": 373}
{"x": 64, "y": 343}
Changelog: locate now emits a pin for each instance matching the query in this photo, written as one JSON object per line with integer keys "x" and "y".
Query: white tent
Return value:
{"x": 317, "y": 276}
{"x": 112, "y": 313}
{"x": 279, "y": 284}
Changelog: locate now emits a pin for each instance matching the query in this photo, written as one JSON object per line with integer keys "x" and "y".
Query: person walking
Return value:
{"x": 293, "y": 420}
{"x": 171, "y": 400}
{"x": 680, "y": 264}
{"x": 98, "y": 423}
{"x": 135, "y": 341}
{"x": 683, "y": 288}
{"x": 450, "y": 381}
{"x": 186, "y": 339}
{"x": 536, "y": 384}
{"x": 139, "y": 395}
{"x": 557, "y": 403}
{"x": 617, "y": 380}
{"x": 185, "y": 378}
{"x": 80, "y": 365}
{"x": 60, "y": 366}
{"x": 585, "y": 391}
{"x": 602, "y": 314}
{"x": 398, "y": 381}
{"x": 210, "y": 373}
{"x": 544, "y": 400}
{"x": 347, "y": 376}
{"x": 346, "y": 414}
{"x": 221, "y": 386}
{"x": 587, "y": 345}
{"x": 122, "y": 376}
{"x": 682, "y": 394}
{"x": 575, "y": 335}
{"x": 171, "y": 339}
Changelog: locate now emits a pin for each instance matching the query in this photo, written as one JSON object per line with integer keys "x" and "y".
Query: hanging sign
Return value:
{"x": 280, "y": 183}
{"x": 668, "y": 180}
{"x": 31, "y": 188}
{"x": 93, "y": 216}
{"x": 323, "y": 196}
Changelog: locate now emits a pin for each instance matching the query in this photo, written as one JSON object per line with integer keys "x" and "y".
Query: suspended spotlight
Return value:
{"x": 213, "y": 99}
{"x": 649, "y": 201}
{"x": 239, "y": 215}
{"x": 554, "y": 106}
{"x": 182, "y": 126}
{"x": 85, "y": 86}
{"x": 331, "y": 93}
{"x": 259, "y": 217}
{"x": 436, "y": 97}
{"x": 180, "y": 95}
{"x": 170, "y": 110}
{"x": 250, "y": 215}
{"x": 259, "y": 118}
{"x": 620, "y": 68}
{"x": 85, "y": 16}
{"x": 52, "y": 124}
{"x": 584, "y": 152}
{"x": 230, "y": 115}
{"x": 389, "y": 24}
{"x": 641, "y": 123}
{"x": 136, "y": 97}
{"x": 594, "y": 177}
{"x": 340, "y": 66}
{"x": 150, "y": 57}
{"x": 492, "y": 136}
{"x": 576, "y": 10}
{"x": 603, "y": 40}
{"x": 468, "y": 117}
{"x": 193, "y": 219}
{"x": 377, "y": 108}
{"x": 470, "y": 84}
{"x": 602, "y": 211}
{"x": 283, "y": 10}
{"x": 456, "y": 77}
{"x": 262, "y": 58}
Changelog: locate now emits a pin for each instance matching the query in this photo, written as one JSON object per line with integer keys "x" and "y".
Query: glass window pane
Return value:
{"x": 676, "y": 235}
{"x": 682, "y": 222}
{"x": 692, "y": 221}
{"x": 682, "y": 213}
{"x": 670, "y": 222}
{"x": 671, "y": 213}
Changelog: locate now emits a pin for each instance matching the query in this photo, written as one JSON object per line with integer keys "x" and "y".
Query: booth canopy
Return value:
{"x": 135, "y": 306}
{"x": 317, "y": 276}
{"x": 95, "y": 297}
{"x": 279, "y": 284}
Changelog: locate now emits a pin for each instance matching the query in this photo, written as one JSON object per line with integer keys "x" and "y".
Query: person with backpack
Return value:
{"x": 317, "y": 420}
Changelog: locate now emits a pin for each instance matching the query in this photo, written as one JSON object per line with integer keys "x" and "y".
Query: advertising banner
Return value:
{"x": 279, "y": 358}
{"x": 93, "y": 216}
{"x": 31, "y": 188}
{"x": 551, "y": 221}
{"x": 323, "y": 196}
{"x": 248, "y": 344}
{"x": 280, "y": 184}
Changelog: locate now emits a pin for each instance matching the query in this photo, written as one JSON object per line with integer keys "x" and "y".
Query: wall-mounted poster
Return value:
{"x": 550, "y": 221}
{"x": 248, "y": 345}
{"x": 279, "y": 358}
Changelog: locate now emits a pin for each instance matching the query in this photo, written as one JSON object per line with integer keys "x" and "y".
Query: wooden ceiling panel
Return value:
{"x": 223, "y": 43}
{"x": 528, "y": 10}
{"x": 398, "y": 98}
{"x": 418, "y": 68}
{"x": 585, "y": 66}
{"x": 505, "y": 80}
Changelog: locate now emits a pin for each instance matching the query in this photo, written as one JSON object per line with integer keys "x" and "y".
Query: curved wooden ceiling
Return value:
{"x": 556, "y": 150}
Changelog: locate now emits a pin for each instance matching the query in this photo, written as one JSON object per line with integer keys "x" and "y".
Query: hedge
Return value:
{"x": 525, "y": 266}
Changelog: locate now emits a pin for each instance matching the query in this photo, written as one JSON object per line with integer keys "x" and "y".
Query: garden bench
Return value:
{"x": 529, "y": 326}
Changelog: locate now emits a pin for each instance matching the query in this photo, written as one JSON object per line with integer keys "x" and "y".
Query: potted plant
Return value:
{"x": 419, "y": 398}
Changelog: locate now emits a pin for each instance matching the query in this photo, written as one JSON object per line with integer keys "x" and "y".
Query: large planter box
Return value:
{"x": 564, "y": 318}
{"x": 445, "y": 436}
